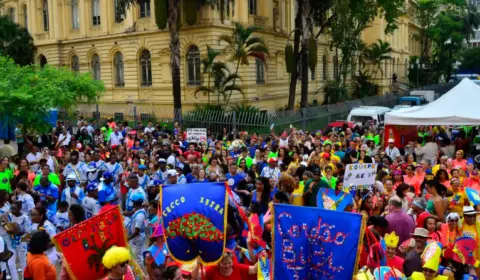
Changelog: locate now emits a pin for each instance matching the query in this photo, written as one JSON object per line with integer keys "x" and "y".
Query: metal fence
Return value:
{"x": 312, "y": 118}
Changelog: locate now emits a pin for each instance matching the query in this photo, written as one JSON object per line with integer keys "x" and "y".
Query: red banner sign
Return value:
{"x": 84, "y": 244}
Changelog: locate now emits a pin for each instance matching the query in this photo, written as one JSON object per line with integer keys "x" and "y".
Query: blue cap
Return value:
{"x": 142, "y": 167}
{"x": 92, "y": 187}
{"x": 470, "y": 161}
{"x": 107, "y": 175}
{"x": 179, "y": 165}
{"x": 138, "y": 197}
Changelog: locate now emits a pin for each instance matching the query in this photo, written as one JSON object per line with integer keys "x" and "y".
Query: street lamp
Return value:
{"x": 417, "y": 65}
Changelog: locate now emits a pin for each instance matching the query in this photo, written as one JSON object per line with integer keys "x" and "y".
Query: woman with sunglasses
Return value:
{"x": 115, "y": 262}
{"x": 451, "y": 230}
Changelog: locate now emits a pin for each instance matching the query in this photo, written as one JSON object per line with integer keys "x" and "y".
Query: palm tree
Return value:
{"x": 174, "y": 30}
{"x": 375, "y": 54}
{"x": 15, "y": 42}
{"x": 242, "y": 45}
{"x": 222, "y": 82}
{"x": 208, "y": 64}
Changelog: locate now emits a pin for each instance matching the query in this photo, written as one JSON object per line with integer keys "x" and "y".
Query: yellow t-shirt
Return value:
{"x": 471, "y": 231}
{"x": 457, "y": 205}
{"x": 298, "y": 195}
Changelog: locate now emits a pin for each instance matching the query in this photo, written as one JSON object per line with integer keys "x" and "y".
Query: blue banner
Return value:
{"x": 312, "y": 243}
{"x": 194, "y": 217}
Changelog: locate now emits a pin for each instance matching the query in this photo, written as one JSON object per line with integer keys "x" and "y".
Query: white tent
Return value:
{"x": 459, "y": 106}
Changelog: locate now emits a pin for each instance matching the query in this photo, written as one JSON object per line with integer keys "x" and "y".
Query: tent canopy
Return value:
{"x": 459, "y": 106}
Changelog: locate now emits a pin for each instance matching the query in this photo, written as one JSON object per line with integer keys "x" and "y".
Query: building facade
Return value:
{"x": 131, "y": 55}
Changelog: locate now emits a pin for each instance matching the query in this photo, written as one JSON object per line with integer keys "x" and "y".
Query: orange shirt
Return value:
{"x": 39, "y": 268}
{"x": 415, "y": 181}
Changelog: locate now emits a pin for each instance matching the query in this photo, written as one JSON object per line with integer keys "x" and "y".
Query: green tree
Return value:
{"x": 209, "y": 67}
{"x": 27, "y": 93}
{"x": 425, "y": 12}
{"x": 15, "y": 42}
{"x": 242, "y": 45}
{"x": 470, "y": 60}
{"x": 174, "y": 30}
{"x": 375, "y": 55}
{"x": 453, "y": 26}
{"x": 352, "y": 18}
{"x": 222, "y": 82}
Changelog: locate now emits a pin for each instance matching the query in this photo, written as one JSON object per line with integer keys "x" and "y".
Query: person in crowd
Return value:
{"x": 413, "y": 260}
{"x": 72, "y": 194}
{"x": 116, "y": 262}
{"x": 38, "y": 265}
{"x": 391, "y": 242}
{"x": 398, "y": 221}
{"x": 226, "y": 269}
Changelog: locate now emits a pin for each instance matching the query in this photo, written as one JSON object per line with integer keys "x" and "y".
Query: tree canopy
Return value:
{"x": 15, "y": 42}
{"x": 27, "y": 93}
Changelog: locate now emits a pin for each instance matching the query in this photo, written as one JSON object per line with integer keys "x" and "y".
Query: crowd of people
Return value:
{"x": 63, "y": 177}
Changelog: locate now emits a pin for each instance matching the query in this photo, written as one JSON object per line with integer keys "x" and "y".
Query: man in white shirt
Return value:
{"x": 391, "y": 150}
{"x": 150, "y": 128}
{"x": 427, "y": 152}
{"x": 116, "y": 137}
{"x": 33, "y": 158}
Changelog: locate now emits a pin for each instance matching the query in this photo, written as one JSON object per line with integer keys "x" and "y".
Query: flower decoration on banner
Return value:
{"x": 194, "y": 226}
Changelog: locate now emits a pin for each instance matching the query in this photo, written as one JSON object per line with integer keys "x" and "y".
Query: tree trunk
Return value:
{"x": 305, "y": 37}
{"x": 174, "y": 29}
{"x": 233, "y": 84}
{"x": 296, "y": 49}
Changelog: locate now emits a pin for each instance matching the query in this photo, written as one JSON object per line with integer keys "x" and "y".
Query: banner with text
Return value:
{"x": 195, "y": 220}
{"x": 84, "y": 244}
{"x": 196, "y": 135}
{"x": 312, "y": 243}
{"x": 359, "y": 176}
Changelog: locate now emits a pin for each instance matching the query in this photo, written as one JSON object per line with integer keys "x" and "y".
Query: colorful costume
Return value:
{"x": 391, "y": 240}
{"x": 431, "y": 259}
{"x": 115, "y": 256}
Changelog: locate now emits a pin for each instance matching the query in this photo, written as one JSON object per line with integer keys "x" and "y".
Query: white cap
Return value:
{"x": 162, "y": 160}
{"x": 171, "y": 172}
{"x": 71, "y": 177}
{"x": 391, "y": 140}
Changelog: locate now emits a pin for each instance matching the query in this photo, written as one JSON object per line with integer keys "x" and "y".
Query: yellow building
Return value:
{"x": 131, "y": 55}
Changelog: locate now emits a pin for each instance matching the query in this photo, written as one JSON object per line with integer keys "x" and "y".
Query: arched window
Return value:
{"x": 96, "y": 69}
{"x": 45, "y": 16}
{"x": 96, "y": 12}
{"x": 144, "y": 8}
{"x": 193, "y": 64}
{"x": 260, "y": 71}
{"x": 75, "y": 65}
{"x": 118, "y": 65}
{"x": 146, "y": 68}
{"x": 25, "y": 16}
{"x": 75, "y": 16}
{"x": 42, "y": 60}
{"x": 11, "y": 14}
{"x": 324, "y": 67}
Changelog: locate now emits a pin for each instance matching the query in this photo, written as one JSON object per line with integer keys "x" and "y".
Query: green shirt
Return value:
{"x": 5, "y": 177}
{"x": 52, "y": 177}
{"x": 248, "y": 161}
{"x": 332, "y": 183}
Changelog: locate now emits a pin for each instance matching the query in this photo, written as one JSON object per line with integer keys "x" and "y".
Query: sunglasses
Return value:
{"x": 453, "y": 221}
{"x": 470, "y": 216}
{"x": 123, "y": 264}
